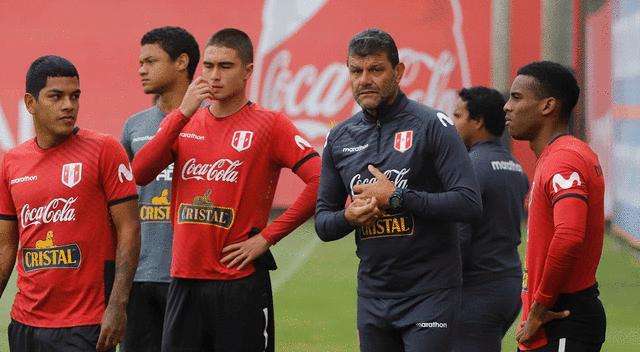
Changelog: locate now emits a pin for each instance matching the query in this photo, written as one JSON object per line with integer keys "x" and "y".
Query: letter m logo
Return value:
{"x": 564, "y": 183}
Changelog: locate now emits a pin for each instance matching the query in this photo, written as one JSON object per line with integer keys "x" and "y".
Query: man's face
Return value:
{"x": 462, "y": 122}
{"x": 56, "y": 110}
{"x": 158, "y": 73}
{"x": 373, "y": 81}
{"x": 524, "y": 109}
{"x": 224, "y": 70}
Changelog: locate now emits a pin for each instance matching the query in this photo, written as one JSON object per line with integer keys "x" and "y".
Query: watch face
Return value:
{"x": 394, "y": 202}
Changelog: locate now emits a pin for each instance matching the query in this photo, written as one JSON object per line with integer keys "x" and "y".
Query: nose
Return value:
{"x": 507, "y": 106}
{"x": 142, "y": 70}
{"x": 67, "y": 104}
{"x": 365, "y": 78}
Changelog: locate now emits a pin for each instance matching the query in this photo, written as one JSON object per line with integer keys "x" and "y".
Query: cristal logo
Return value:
{"x": 58, "y": 210}
{"x": 395, "y": 176}
{"x": 221, "y": 170}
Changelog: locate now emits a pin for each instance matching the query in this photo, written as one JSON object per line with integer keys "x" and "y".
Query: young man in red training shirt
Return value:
{"x": 68, "y": 197}
{"x": 561, "y": 309}
{"x": 227, "y": 159}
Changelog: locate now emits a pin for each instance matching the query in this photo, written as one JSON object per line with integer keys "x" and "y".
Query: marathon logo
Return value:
{"x": 389, "y": 225}
{"x": 47, "y": 255}
{"x": 24, "y": 179}
{"x": 204, "y": 212}
{"x": 156, "y": 211}
{"x": 506, "y": 165}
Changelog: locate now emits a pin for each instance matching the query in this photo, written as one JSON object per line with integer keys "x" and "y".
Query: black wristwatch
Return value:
{"x": 396, "y": 200}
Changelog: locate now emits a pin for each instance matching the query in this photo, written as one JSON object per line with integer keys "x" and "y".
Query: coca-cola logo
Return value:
{"x": 58, "y": 210}
{"x": 395, "y": 176}
{"x": 221, "y": 170}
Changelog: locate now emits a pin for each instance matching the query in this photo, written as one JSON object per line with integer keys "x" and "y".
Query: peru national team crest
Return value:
{"x": 403, "y": 141}
{"x": 241, "y": 140}
{"x": 71, "y": 174}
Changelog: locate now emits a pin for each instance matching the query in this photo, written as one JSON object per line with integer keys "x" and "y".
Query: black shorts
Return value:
{"x": 488, "y": 310}
{"x": 145, "y": 317}
{"x": 424, "y": 323}
{"x": 24, "y": 338}
{"x": 584, "y": 329}
{"x": 220, "y": 315}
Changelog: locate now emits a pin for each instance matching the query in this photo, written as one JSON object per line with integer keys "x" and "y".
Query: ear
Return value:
{"x": 182, "y": 61}
{"x": 478, "y": 123}
{"x": 399, "y": 71}
{"x": 30, "y": 102}
{"x": 248, "y": 71}
{"x": 549, "y": 105}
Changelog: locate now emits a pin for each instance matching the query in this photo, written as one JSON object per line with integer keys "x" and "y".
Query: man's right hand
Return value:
{"x": 363, "y": 212}
{"x": 198, "y": 91}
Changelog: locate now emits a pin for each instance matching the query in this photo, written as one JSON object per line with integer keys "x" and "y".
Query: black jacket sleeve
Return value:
{"x": 330, "y": 222}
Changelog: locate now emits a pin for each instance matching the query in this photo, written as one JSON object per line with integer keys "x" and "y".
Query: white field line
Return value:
{"x": 302, "y": 256}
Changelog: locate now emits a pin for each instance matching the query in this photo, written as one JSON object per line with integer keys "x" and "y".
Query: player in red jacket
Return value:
{"x": 227, "y": 158}
{"x": 561, "y": 309}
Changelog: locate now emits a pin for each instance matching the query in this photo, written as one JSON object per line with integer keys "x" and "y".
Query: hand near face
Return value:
{"x": 380, "y": 190}
{"x": 198, "y": 91}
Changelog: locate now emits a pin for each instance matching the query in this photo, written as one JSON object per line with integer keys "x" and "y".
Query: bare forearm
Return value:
{"x": 7, "y": 261}
{"x": 127, "y": 254}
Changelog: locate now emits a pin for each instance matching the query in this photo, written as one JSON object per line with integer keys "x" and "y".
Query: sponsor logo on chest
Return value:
{"x": 395, "y": 176}
{"x": 224, "y": 170}
{"x": 204, "y": 211}
{"x": 389, "y": 225}
{"x": 48, "y": 255}
{"x": 58, "y": 210}
{"x": 158, "y": 210}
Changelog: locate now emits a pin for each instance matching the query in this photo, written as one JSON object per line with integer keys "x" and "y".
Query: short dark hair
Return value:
{"x": 235, "y": 39}
{"x": 175, "y": 41}
{"x": 45, "y": 67}
{"x": 371, "y": 42}
{"x": 554, "y": 80}
{"x": 487, "y": 103}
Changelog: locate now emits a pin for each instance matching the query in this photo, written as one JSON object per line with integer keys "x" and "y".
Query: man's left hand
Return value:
{"x": 538, "y": 315}
{"x": 245, "y": 252}
{"x": 381, "y": 189}
{"x": 112, "y": 326}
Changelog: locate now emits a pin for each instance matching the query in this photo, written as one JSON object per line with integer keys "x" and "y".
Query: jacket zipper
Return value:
{"x": 379, "y": 134}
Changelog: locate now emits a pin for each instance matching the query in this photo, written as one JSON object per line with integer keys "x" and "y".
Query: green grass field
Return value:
{"x": 315, "y": 295}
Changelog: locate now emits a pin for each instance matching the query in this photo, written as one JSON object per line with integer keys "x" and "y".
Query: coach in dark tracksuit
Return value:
{"x": 491, "y": 268}
{"x": 409, "y": 177}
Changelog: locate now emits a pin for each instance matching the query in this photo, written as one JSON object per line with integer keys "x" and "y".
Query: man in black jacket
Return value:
{"x": 409, "y": 179}
{"x": 491, "y": 268}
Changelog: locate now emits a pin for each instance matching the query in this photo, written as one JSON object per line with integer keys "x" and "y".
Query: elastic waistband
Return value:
{"x": 568, "y": 300}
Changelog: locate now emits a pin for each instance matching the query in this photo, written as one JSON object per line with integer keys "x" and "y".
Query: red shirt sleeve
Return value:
{"x": 115, "y": 172}
{"x": 566, "y": 186}
{"x": 156, "y": 154}
{"x": 7, "y": 208}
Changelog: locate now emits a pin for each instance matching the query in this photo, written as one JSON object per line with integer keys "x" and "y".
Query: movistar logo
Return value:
{"x": 564, "y": 183}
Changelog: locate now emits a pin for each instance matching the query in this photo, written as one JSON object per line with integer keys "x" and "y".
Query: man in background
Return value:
{"x": 168, "y": 60}
{"x": 561, "y": 309}
{"x": 491, "y": 267}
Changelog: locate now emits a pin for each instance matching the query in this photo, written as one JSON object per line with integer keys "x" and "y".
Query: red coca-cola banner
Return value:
{"x": 300, "y": 54}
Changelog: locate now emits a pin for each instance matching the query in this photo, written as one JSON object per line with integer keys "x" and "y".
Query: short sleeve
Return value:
{"x": 288, "y": 147}
{"x": 565, "y": 176}
{"x": 7, "y": 208}
{"x": 115, "y": 173}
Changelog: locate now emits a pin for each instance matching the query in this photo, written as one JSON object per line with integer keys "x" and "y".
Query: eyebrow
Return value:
{"x": 56, "y": 90}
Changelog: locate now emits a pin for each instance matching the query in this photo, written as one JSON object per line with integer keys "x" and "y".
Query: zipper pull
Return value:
{"x": 378, "y": 123}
